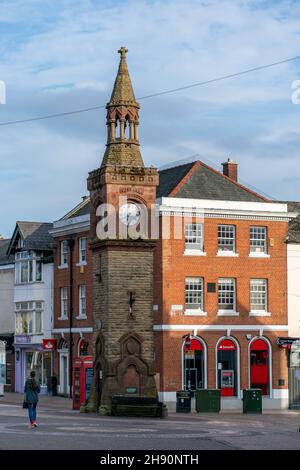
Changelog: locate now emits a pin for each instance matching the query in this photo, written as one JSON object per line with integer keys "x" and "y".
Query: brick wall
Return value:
{"x": 171, "y": 269}
{"x": 82, "y": 275}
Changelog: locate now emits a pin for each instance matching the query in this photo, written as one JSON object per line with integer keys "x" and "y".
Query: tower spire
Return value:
{"x": 122, "y": 121}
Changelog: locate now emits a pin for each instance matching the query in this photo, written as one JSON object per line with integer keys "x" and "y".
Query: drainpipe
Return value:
{"x": 71, "y": 243}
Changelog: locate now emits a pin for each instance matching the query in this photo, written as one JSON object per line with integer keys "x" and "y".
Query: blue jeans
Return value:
{"x": 32, "y": 412}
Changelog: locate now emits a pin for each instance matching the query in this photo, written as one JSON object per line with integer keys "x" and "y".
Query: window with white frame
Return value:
{"x": 28, "y": 267}
{"x": 64, "y": 302}
{"x": 226, "y": 295}
{"x": 82, "y": 301}
{"x": 194, "y": 236}
{"x": 194, "y": 293}
{"x": 258, "y": 239}
{"x": 29, "y": 319}
{"x": 82, "y": 250}
{"x": 63, "y": 252}
{"x": 226, "y": 238}
{"x": 258, "y": 295}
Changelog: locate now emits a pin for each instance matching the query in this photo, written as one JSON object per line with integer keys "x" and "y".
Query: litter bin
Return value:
{"x": 183, "y": 401}
{"x": 252, "y": 400}
{"x": 208, "y": 400}
{"x": 54, "y": 385}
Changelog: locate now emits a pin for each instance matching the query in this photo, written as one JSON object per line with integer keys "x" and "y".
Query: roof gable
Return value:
{"x": 35, "y": 236}
{"x": 171, "y": 177}
{"x": 200, "y": 181}
{"x": 83, "y": 208}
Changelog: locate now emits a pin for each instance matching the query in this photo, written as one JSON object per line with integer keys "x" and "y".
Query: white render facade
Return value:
{"x": 32, "y": 302}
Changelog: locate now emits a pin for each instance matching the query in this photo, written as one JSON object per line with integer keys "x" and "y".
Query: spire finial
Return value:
{"x": 122, "y": 51}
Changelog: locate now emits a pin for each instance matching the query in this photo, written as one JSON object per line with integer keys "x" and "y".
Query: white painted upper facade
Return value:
{"x": 7, "y": 313}
{"x": 41, "y": 291}
{"x": 293, "y": 267}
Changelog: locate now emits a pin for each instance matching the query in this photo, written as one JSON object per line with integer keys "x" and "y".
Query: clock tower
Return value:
{"x": 123, "y": 193}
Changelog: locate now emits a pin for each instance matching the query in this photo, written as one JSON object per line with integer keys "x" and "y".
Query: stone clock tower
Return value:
{"x": 122, "y": 193}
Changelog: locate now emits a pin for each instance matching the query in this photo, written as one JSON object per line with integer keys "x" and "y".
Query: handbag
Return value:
{"x": 25, "y": 404}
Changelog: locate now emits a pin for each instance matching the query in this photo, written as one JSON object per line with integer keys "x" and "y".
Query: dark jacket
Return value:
{"x": 31, "y": 393}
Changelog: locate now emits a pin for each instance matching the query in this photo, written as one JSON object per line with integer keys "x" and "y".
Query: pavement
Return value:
{"x": 61, "y": 428}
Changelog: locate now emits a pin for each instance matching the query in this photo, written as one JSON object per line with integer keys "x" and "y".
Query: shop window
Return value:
{"x": 259, "y": 366}
{"x": 227, "y": 368}
{"x": 193, "y": 365}
{"x": 40, "y": 362}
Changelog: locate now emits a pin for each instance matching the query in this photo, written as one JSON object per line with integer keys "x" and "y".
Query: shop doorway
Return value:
{"x": 64, "y": 373}
{"x": 259, "y": 366}
{"x": 227, "y": 370}
{"x": 193, "y": 366}
{"x": 294, "y": 388}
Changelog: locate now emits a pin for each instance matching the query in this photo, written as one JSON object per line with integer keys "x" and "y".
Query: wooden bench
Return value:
{"x": 123, "y": 405}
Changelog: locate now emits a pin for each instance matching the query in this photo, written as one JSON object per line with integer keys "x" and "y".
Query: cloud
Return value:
{"x": 61, "y": 56}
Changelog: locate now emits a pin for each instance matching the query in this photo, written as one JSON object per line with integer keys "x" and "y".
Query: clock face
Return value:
{"x": 129, "y": 214}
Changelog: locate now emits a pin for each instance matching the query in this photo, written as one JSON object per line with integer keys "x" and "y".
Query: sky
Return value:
{"x": 58, "y": 56}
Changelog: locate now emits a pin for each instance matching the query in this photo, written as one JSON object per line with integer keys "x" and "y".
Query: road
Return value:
{"x": 65, "y": 429}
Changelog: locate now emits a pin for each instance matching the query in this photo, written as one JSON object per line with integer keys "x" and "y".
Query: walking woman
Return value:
{"x": 31, "y": 390}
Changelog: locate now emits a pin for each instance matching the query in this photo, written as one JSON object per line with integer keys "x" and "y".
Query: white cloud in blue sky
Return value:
{"x": 58, "y": 56}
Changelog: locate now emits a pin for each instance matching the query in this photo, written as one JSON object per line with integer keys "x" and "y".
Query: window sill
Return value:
{"x": 227, "y": 313}
{"x": 28, "y": 283}
{"x": 259, "y": 255}
{"x": 62, "y": 318}
{"x": 259, "y": 313}
{"x": 28, "y": 334}
{"x": 81, "y": 317}
{"x": 190, "y": 252}
{"x": 195, "y": 313}
{"x": 81, "y": 263}
{"x": 230, "y": 254}
{"x": 62, "y": 266}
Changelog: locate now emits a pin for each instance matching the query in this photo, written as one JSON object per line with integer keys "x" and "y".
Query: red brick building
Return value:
{"x": 220, "y": 284}
{"x": 219, "y": 278}
{"x": 72, "y": 322}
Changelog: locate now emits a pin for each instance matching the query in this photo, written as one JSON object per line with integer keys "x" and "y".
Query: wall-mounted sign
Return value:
{"x": 22, "y": 339}
{"x": 286, "y": 342}
{"x": 211, "y": 287}
{"x": 49, "y": 344}
{"x": 176, "y": 308}
{"x": 227, "y": 345}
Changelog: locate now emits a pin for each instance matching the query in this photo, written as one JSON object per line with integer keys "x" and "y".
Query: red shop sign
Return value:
{"x": 49, "y": 344}
{"x": 227, "y": 345}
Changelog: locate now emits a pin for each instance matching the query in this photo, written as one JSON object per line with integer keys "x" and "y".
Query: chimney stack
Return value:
{"x": 230, "y": 169}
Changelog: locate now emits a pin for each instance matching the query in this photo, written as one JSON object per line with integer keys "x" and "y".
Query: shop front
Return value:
{"x": 194, "y": 372}
{"x": 292, "y": 345}
{"x": 260, "y": 366}
{"x": 227, "y": 367}
{"x": 232, "y": 364}
{"x": 2, "y": 367}
{"x": 63, "y": 367}
{"x": 30, "y": 357}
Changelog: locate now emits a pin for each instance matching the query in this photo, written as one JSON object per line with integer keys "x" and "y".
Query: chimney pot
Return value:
{"x": 230, "y": 169}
